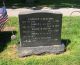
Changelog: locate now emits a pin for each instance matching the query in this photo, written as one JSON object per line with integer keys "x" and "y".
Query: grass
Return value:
{"x": 70, "y": 30}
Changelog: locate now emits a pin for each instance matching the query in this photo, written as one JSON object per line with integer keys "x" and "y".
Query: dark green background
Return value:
{"x": 55, "y": 3}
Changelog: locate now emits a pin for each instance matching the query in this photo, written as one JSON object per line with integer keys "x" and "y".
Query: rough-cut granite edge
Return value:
{"x": 26, "y": 51}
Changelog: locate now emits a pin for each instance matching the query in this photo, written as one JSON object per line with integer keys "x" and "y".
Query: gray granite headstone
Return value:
{"x": 40, "y": 32}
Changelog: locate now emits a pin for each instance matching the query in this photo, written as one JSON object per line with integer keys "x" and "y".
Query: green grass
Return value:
{"x": 70, "y": 30}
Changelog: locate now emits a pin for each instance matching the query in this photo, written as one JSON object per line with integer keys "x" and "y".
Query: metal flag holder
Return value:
{"x": 73, "y": 13}
{"x": 70, "y": 19}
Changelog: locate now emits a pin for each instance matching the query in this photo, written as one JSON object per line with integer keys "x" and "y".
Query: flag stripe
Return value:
{"x": 3, "y": 17}
{"x": 3, "y": 21}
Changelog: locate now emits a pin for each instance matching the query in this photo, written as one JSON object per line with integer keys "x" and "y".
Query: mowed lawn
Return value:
{"x": 70, "y": 36}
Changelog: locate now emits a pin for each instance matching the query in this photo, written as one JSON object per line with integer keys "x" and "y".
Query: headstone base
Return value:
{"x": 26, "y": 51}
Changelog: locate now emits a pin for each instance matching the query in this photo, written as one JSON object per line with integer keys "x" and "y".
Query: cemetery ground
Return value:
{"x": 70, "y": 37}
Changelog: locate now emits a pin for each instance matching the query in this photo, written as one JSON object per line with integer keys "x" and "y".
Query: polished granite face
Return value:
{"x": 40, "y": 29}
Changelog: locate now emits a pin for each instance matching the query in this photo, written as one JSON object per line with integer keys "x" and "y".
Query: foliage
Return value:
{"x": 50, "y": 3}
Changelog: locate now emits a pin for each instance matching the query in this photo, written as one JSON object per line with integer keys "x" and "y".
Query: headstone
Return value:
{"x": 40, "y": 32}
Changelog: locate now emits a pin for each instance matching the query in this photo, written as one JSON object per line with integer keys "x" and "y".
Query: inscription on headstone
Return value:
{"x": 40, "y": 29}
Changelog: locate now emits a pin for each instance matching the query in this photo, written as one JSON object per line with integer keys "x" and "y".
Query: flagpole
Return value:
{"x": 3, "y": 3}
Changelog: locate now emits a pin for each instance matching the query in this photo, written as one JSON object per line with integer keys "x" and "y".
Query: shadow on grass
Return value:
{"x": 5, "y": 38}
{"x": 65, "y": 42}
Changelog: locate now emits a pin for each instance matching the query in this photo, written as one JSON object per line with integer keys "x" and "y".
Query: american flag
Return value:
{"x": 3, "y": 17}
